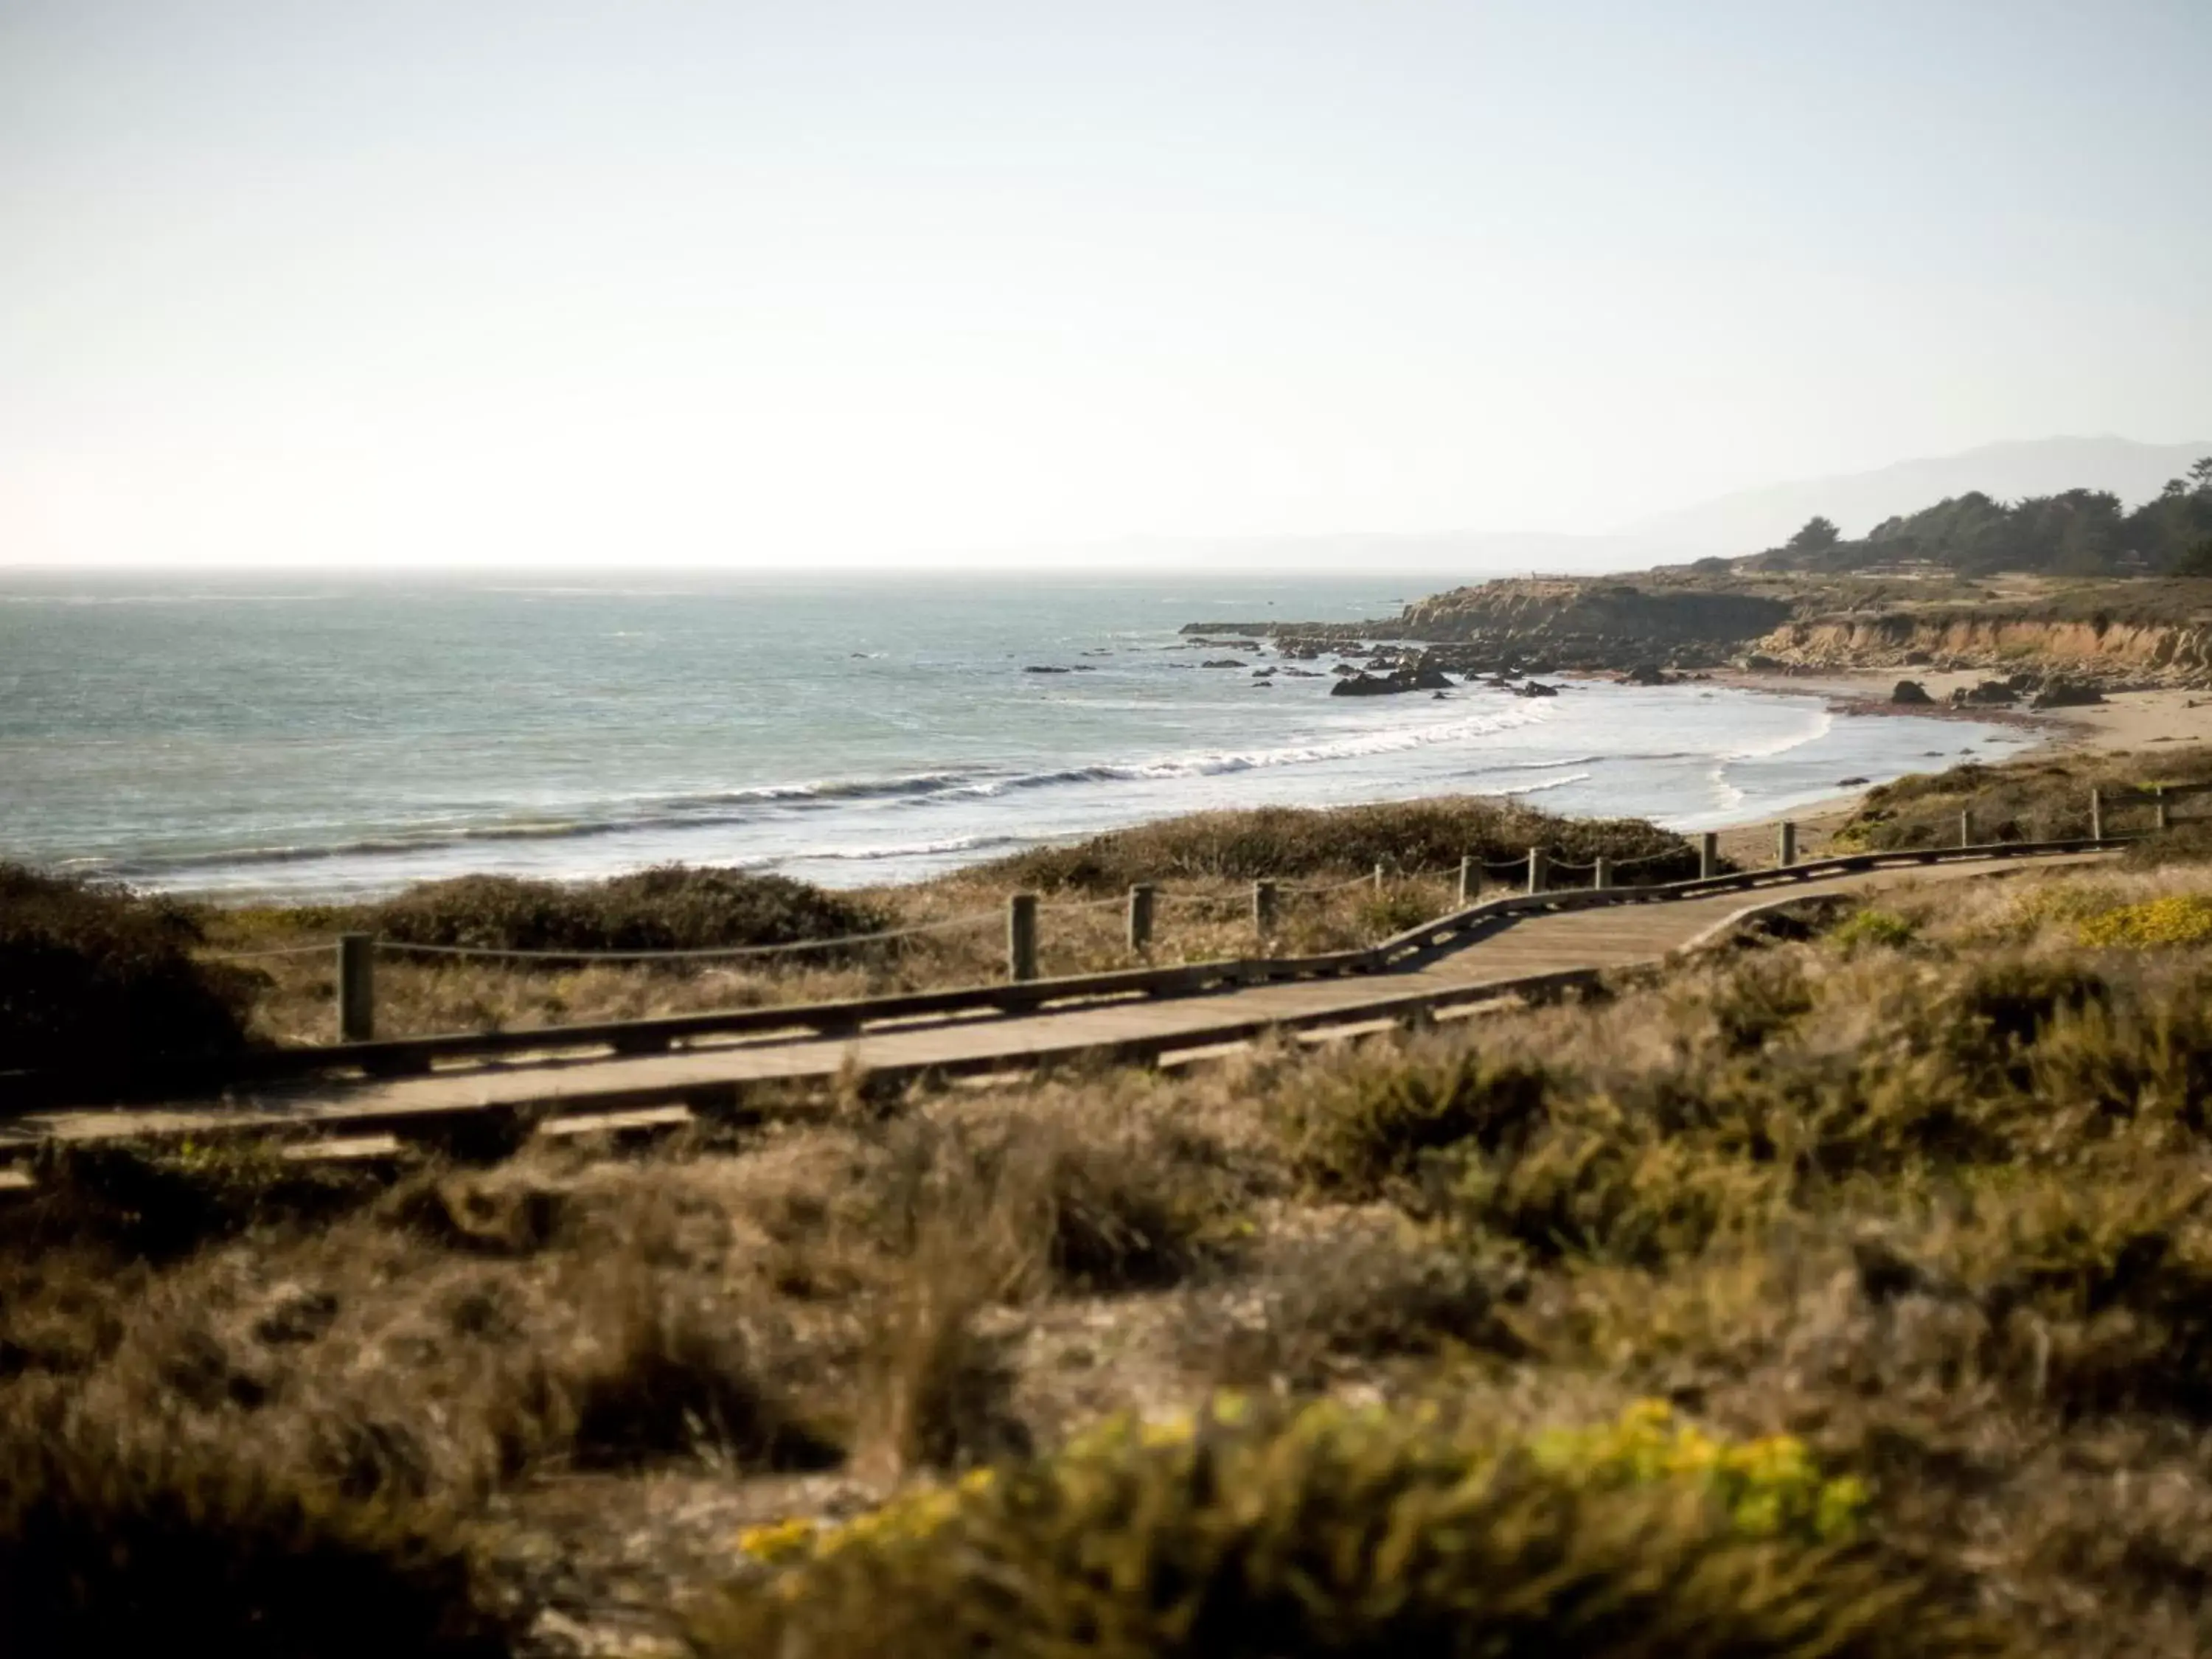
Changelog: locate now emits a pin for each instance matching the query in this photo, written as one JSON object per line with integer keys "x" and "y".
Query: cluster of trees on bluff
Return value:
{"x": 2080, "y": 533}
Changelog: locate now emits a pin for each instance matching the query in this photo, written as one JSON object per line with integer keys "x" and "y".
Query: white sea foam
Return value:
{"x": 1541, "y": 785}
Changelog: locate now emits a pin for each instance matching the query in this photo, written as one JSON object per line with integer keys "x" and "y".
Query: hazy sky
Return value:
{"x": 518, "y": 280}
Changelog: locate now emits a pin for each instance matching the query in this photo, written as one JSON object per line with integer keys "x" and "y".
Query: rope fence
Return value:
{"x": 973, "y": 919}
{"x": 1141, "y": 903}
{"x": 280, "y": 951}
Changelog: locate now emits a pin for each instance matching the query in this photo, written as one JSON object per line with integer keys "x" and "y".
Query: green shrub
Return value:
{"x": 669, "y": 907}
{"x": 1871, "y": 929}
{"x": 1611, "y": 1189}
{"x": 1264, "y": 1534}
{"x": 1285, "y": 842}
{"x": 165, "y": 1200}
{"x": 94, "y": 975}
{"x": 2097, "y": 1284}
{"x": 1360, "y": 1129}
{"x": 2177, "y": 919}
{"x": 2039, "y": 799}
{"x": 138, "y": 1542}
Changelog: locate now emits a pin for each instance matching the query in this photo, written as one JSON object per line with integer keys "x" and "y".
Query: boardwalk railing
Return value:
{"x": 28, "y": 1090}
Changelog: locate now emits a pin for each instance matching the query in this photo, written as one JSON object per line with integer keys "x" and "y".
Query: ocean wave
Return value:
{"x": 905, "y": 850}
{"x": 707, "y": 810}
{"x": 1820, "y": 723}
{"x": 1538, "y": 788}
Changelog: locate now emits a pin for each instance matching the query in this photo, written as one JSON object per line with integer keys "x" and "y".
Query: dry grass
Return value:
{"x": 1913, "y": 1205}
{"x": 1204, "y": 864}
{"x": 294, "y": 997}
{"x": 2041, "y": 799}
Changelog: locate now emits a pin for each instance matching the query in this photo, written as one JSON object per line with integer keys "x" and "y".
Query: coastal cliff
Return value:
{"x": 2150, "y": 629}
{"x": 2156, "y": 630}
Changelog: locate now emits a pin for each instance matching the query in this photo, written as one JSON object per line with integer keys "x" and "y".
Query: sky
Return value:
{"x": 523, "y": 281}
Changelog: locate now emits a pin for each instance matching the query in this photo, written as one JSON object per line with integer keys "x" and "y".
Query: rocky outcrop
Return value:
{"x": 1678, "y": 623}
{"x": 1420, "y": 678}
{"x": 1224, "y": 662}
{"x": 1990, "y": 694}
{"x": 1911, "y": 693}
{"x": 2065, "y": 694}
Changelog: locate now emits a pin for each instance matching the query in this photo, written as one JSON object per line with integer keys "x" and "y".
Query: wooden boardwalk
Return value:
{"x": 1528, "y": 955}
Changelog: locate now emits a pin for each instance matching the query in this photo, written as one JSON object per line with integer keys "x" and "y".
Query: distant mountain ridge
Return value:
{"x": 1746, "y": 521}
{"x": 1752, "y": 519}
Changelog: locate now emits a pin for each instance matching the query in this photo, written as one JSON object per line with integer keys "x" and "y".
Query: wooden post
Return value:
{"x": 1022, "y": 937}
{"x": 1785, "y": 845}
{"x": 2096, "y": 815}
{"x": 2158, "y": 806}
{"x": 1263, "y": 909}
{"x": 1602, "y": 875}
{"x": 1470, "y": 879}
{"x": 1709, "y": 855}
{"x": 1540, "y": 869}
{"x": 1966, "y": 826}
{"x": 356, "y": 988}
{"x": 1141, "y": 917}
{"x": 1378, "y": 878}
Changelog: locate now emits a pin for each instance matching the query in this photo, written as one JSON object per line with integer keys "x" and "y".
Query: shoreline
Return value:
{"x": 2128, "y": 720}
{"x": 2124, "y": 722}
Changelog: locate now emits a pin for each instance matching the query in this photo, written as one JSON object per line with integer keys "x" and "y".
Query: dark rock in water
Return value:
{"x": 1910, "y": 691}
{"x": 1535, "y": 688}
{"x": 2065, "y": 694}
{"x": 1083, "y": 668}
{"x": 1224, "y": 662}
{"x": 1846, "y": 783}
{"x": 1034, "y": 669}
{"x": 1342, "y": 669}
{"x": 1647, "y": 673}
{"x": 1262, "y": 673}
{"x": 1365, "y": 685}
{"x": 1422, "y": 679}
{"x": 1300, "y": 674}
{"x": 1990, "y": 694}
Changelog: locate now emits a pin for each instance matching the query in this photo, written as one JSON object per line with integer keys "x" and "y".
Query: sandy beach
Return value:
{"x": 2124, "y": 722}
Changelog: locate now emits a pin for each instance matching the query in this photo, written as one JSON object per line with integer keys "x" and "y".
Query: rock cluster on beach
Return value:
{"x": 1416, "y": 677}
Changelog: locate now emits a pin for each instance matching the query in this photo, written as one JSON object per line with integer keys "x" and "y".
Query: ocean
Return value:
{"x": 266, "y": 736}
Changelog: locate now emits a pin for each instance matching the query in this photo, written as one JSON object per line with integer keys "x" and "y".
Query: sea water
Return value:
{"x": 288, "y": 736}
